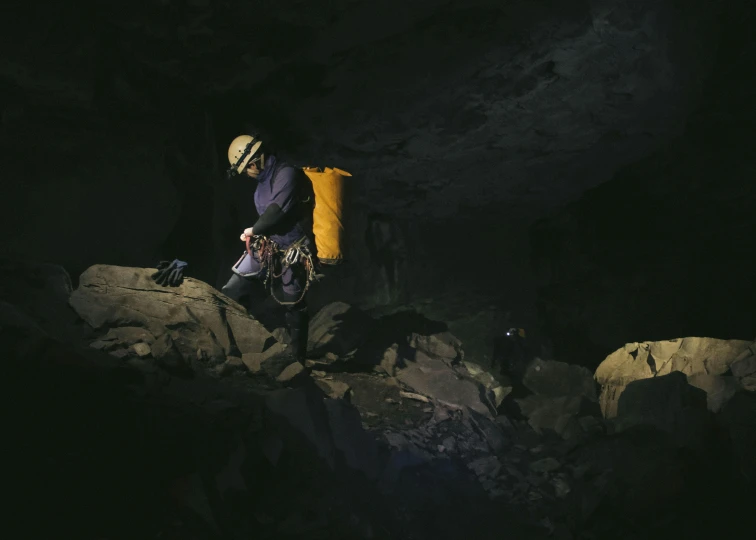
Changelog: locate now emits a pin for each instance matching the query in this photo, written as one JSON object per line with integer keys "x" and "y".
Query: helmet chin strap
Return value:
{"x": 262, "y": 161}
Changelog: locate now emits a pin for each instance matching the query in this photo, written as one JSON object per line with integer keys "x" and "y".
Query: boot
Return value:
{"x": 298, "y": 321}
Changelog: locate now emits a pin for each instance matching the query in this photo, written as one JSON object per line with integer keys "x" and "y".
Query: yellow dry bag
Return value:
{"x": 328, "y": 214}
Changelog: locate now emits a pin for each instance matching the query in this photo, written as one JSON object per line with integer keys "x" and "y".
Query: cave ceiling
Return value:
{"x": 436, "y": 105}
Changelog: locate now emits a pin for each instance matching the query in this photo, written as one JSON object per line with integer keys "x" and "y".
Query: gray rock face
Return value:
{"x": 739, "y": 418}
{"x": 695, "y": 357}
{"x": 563, "y": 399}
{"x": 337, "y": 328}
{"x": 744, "y": 369}
{"x": 668, "y": 403}
{"x": 322, "y": 451}
{"x": 202, "y": 324}
{"x": 437, "y": 379}
{"x": 551, "y": 378}
{"x": 578, "y": 88}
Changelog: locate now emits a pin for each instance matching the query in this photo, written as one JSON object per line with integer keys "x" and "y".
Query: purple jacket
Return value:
{"x": 282, "y": 184}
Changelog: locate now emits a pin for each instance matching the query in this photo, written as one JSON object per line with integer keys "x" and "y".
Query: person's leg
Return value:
{"x": 297, "y": 316}
{"x": 241, "y": 282}
{"x": 237, "y": 287}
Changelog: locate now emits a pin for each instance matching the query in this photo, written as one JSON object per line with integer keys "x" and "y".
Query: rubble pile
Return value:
{"x": 174, "y": 406}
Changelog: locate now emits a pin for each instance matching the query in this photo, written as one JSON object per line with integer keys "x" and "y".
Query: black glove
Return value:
{"x": 170, "y": 273}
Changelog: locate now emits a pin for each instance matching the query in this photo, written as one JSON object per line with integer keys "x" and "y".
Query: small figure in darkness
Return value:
{"x": 511, "y": 355}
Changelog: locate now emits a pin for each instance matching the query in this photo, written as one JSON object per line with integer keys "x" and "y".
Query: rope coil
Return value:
{"x": 270, "y": 255}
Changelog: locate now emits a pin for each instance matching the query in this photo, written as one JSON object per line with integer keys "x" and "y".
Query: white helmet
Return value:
{"x": 242, "y": 149}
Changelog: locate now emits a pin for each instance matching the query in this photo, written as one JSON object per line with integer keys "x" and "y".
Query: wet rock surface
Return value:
{"x": 127, "y": 447}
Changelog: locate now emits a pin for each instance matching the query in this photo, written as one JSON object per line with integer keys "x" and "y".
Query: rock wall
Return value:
{"x": 435, "y": 112}
{"x": 665, "y": 248}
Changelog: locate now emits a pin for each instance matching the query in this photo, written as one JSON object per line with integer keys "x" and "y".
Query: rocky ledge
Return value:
{"x": 171, "y": 412}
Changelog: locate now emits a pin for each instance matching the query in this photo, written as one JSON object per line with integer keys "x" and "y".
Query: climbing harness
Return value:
{"x": 271, "y": 255}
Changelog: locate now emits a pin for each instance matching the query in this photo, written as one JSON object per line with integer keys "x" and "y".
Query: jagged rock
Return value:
{"x": 129, "y": 335}
{"x": 333, "y": 389}
{"x": 280, "y": 334}
{"x": 559, "y": 414}
{"x": 303, "y": 411}
{"x": 141, "y": 349}
{"x": 233, "y": 364}
{"x": 101, "y": 345}
{"x": 337, "y": 328}
{"x": 416, "y": 397}
{"x": 552, "y": 378}
{"x": 486, "y": 379}
{"x": 443, "y": 345}
{"x": 332, "y": 426}
{"x": 123, "y": 337}
{"x": 745, "y": 371}
{"x": 666, "y": 402}
{"x": 562, "y": 394}
{"x": 197, "y": 316}
{"x": 389, "y": 360}
{"x": 500, "y": 394}
{"x": 591, "y": 424}
{"x": 436, "y": 379}
{"x": 739, "y": 417}
{"x": 486, "y": 467}
{"x": 635, "y": 361}
{"x": 719, "y": 389}
{"x": 271, "y": 362}
{"x": 166, "y": 354}
{"x": 449, "y": 444}
{"x": 265, "y": 361}
{"x": 290, "y": 371}
{"x": 561, "y": 486}
{"x": 356, "y": 445}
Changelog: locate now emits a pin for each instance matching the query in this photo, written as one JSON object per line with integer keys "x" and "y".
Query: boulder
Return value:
{"x": 560, "y": 414}
{"x": 129, "y": 335}
{"x": 337, "y": 328}
{"x": 390, "y": 361}
{"x": 719, "y": 389}
{"x": 442, "y": 345}
{"x": 744, "y": 370}
{"x": 668, "y": 403}
{"x": 562, "y": 396}
{"x": 332, "y": 427}
{"x": 333, "y": 389}
{"x": 692, "y": 356}
{"x": 272, "y": 361}
{"x": 201, "y": 322}
{"x": 739, "y": 418}
{"x": 499, "y": 391}
{"x": 437, "y": 379}
{"x": 551, "y": 378}
{"x": 290, "y": 372}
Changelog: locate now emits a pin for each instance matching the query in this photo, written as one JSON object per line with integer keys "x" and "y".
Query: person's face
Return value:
{"x": 253, "y": 167}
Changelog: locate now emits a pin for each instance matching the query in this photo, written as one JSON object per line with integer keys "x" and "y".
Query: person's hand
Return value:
{"x": 249, "y": 232}
{"x": 243, "y": 237}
